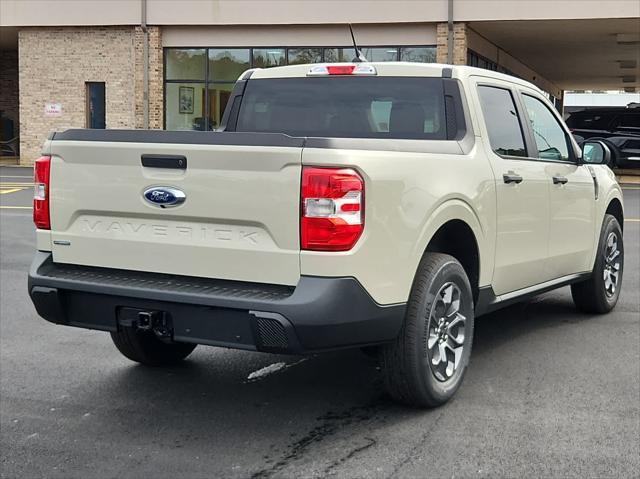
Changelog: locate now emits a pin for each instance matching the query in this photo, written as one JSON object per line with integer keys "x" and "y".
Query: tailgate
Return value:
{"x": 239, "y": 220}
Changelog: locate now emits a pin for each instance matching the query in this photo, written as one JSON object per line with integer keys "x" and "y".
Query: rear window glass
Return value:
{"x": 589, "y": 121}
{"x": 345, "y": 107}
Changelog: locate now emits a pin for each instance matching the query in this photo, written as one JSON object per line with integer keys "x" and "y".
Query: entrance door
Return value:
{"x": 95, "y": 105}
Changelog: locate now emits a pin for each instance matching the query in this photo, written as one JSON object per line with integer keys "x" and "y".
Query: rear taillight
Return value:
{"x": 332, "y": 209}
{"x": 41, "y": 170}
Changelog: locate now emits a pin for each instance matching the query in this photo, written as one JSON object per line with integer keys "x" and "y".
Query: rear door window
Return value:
{"x": 503, "y": 124}
{"x": 345, "y": 107}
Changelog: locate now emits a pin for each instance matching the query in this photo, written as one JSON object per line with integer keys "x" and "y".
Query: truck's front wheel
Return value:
{"x": 145, "y": 348}
{"x": 599, "y": 294}
{"x": 425, "y": 365}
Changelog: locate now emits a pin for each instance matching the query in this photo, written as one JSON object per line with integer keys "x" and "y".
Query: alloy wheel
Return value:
{"x": 445, "y": 340}
{"x": 611, "y": 264}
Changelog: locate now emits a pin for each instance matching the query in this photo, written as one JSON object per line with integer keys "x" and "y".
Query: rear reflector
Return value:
{"x": 342, "y": 69}
{"x": 41, "y": 175}
{"x": 332, "y": 209}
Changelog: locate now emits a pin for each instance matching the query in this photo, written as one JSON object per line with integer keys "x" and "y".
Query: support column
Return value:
{"x": 559, "y": 104}
{"x": 155, "y": 75}
{"x": 459, "y": 43}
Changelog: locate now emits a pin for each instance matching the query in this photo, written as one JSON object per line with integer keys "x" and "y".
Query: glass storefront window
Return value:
{"x": 219, "y": 94}
{"x": 269, "y": 57}
{"x": 418, "y": 54}
{"x": 384, "y": 54}
{"x": 227, "y": 64}
{"x": 199, "y": 81}
{"x": 347, "y": 54}
{"x": 186, "y": 64}
{"x": 185, "y": 106}
{"x": 298, "y": 56}
{"x": 476, "y": 60}
{"x": 339, "y": 55}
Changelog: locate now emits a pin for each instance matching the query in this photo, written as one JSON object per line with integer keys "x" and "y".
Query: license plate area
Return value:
{"x": 187, "y": 323}
{"x": 159, "y": 322}
{"x": 198, "y": 324}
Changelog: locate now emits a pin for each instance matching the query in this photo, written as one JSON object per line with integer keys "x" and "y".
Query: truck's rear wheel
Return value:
{"x": 425, "y": 365}
{"x": 145, "y": 348}
{"x": 599, "y": 294}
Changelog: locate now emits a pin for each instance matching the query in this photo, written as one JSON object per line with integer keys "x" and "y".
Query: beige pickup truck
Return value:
{"x": 375, "y": 205}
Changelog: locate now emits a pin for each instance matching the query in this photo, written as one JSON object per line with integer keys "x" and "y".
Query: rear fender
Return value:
{"x": 457, "y": 209}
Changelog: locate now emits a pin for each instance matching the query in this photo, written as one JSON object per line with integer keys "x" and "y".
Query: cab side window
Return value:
{"x": 503, "y": 123}
{"x": 550, "y": 137}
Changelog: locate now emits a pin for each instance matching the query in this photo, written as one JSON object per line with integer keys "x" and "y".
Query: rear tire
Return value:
{"x": 599, "y": 294}
{"x": 145, "y": 348}
{"x": 425, "y": 365}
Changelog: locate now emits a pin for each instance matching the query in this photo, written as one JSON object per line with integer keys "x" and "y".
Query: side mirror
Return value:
{"x": 595, "y": 152}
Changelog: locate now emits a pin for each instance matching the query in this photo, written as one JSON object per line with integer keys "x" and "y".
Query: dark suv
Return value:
{"x": 618, "y": 127}
{"x": 605, "y": 122}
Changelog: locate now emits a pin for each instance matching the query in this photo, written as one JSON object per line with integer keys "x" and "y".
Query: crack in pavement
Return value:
{"x": 329, "y": 471}
{"x": 330, "y": 423}
{"x": 408, "y": 458}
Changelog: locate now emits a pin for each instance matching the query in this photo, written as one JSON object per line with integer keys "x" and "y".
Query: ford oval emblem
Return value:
{"x": 164, "y": 196}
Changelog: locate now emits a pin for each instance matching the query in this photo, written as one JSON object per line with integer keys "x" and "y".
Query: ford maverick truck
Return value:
{"x": 382, "y": 206}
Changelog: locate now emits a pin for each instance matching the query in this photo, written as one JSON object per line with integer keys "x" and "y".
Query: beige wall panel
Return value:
{"x": 298, "y": 35}
{"x": 476, "y": 10}
{"x": 69, "y": 12}
{"x": 283, "y": 12}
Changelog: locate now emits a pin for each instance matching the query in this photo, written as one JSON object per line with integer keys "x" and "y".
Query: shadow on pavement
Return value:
{"x": 511, "y": 324}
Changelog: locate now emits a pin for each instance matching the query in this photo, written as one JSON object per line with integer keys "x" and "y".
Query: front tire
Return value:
{"x": 425, "y": 365}
{"x": 599, "y": 294}
{"x": 145, "y": 348}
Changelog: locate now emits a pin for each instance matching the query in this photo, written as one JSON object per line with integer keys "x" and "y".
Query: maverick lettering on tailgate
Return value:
{"x": 182, "y": 231}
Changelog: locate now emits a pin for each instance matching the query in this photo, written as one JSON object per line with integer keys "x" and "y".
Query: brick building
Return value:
{"x": 171, "y": 64}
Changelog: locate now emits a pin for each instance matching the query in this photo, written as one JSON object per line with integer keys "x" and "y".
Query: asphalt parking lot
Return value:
{"x": 550, "y": 393}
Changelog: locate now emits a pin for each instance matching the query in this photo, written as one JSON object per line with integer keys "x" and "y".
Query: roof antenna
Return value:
{"x": 359, "y": 56}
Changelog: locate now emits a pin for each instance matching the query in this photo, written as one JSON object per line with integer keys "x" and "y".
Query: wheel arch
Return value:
{"x": 457, "y": 239}
{"x": 614, "y": 208}
{"x": 455, "y": 229}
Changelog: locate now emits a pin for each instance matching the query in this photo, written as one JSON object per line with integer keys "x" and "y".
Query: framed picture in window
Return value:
{"x": 185, "y": 99}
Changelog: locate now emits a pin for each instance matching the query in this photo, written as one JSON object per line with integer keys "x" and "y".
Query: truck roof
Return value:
{"x": 391, "y": 69}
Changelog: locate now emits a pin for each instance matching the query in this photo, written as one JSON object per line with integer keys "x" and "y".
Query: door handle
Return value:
{"x": 177, "y": 162}
{"x": 511, "y": 177}
{"x": 560, "y": 180}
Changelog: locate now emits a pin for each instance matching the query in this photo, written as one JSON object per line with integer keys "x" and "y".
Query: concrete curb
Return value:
{"x": 627, "y": 180}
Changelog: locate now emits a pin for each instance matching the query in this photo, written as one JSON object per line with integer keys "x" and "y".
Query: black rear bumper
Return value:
{"x": 317, "y": 314}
